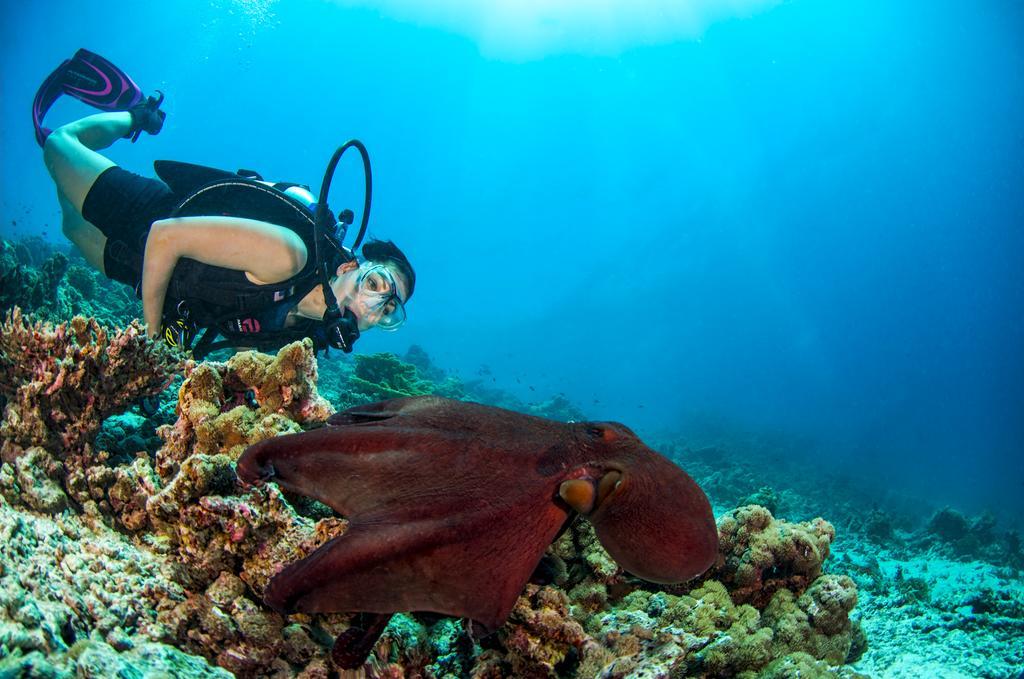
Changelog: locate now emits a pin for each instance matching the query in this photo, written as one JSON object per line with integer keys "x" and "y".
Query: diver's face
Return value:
{"x": 374, "y": 292}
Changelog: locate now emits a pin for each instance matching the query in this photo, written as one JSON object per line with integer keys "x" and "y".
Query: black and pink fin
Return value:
{"x": 92, "y": 80}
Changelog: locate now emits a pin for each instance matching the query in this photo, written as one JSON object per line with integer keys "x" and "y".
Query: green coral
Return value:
{"x": 382, "y": 376}
{"x": 817, "y": 622}
{"x": 804, "y": 666}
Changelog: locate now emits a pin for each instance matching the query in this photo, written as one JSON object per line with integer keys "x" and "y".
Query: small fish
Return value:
{"x": 532, "y": 389}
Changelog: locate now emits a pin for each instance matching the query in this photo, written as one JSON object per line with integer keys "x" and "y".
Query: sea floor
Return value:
{"x": 956, "y": 619}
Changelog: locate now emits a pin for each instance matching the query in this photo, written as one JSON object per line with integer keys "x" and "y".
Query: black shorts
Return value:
{"x": 123, "y": 205}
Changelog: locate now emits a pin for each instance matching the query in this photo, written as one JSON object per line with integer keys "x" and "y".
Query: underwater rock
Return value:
{"x": 967, "y": 538}
{"x": 949, "y": 525}
{"x": 765, "y": 496}
{"x": 25, "y": 482}
{"x": 62, "y": 581}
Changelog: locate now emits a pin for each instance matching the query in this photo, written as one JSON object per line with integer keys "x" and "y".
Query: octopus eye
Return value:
{"x": 603, "y": 432}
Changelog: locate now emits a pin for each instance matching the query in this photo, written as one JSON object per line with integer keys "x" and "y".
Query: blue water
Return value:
{"x": 804, "y": 217}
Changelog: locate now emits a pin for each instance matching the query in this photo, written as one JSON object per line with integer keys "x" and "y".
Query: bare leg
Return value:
{"x": 89, "y": 240}
{"x": 70, "y": 156}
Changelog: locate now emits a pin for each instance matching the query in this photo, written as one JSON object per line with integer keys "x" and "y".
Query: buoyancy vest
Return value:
{"x": 224, "y": 300}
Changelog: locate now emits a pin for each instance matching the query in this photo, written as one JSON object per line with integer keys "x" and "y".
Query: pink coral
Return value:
{"x": 62, "y": 381}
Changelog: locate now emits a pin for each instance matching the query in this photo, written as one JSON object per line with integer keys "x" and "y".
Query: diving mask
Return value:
{"x": 377, "y": 297}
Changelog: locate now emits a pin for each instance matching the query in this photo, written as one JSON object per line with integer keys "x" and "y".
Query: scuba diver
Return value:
{"x": 209, "y": 252}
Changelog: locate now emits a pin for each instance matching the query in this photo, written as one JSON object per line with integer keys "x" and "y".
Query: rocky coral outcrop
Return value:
{"x": 30, "y": 274}
{"x": 377, "y": 377}
{"x": 705, "y": 629}
{"x": 53, "y": 284}
{"x": 961, "y": 537}
{"x": 759, "y": 554}
{"x": 763, "y": 608}
{"x": 81, "y": 600}
{"x": 62, "y": 381}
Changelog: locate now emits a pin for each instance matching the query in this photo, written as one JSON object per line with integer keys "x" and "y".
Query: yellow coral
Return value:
{"x": 759, "y": 554}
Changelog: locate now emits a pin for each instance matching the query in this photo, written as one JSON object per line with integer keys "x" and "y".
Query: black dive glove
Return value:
{"x": 343, "y": 332}
{"x": 146, "y": 117}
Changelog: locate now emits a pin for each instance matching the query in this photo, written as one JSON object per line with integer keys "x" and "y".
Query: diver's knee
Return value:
{"x": 58, "y": 144}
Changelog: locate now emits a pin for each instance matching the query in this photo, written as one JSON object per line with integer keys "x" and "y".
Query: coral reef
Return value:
{"x": 417, "y": 356}
{"x": 80, "y": 600}
{"x": 62, "y": 381}
{"x": 958, "y": 536}
{"x": 205, "y": 545}
{"x": 759, "y": 555}
{"x": 377, "y": 377}
{"x": 54, "y": 285}
{"x": 29, "y": 280}
{"x": 711, "y": 630}
{"x": 558, "y": 407}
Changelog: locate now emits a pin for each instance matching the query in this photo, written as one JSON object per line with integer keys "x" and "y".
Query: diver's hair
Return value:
{"x": 385, "y": 251}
